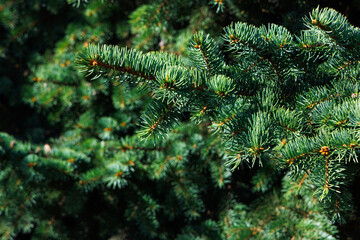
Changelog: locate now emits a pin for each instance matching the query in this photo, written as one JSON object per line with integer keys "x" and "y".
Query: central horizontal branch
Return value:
{"x": 97, "y": 62}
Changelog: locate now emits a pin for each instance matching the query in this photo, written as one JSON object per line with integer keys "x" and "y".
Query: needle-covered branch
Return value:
{"x": 280, "y": 97}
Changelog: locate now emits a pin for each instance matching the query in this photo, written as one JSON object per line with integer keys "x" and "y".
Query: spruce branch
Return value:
{"x": 99, "y": 63}
{"x": 205, "y": 54}
{"x": 295, "y": 122}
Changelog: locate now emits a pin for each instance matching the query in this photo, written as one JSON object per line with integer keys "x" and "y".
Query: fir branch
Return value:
{"x": 128, "y": 70}
{"x": 313, "y": 105}
{"x": 254, "y": 65}
{"x": 326, "y": 186}
{"x": 162, "y": 117}
{"x": 348, "y": 64}
{"x": 92, "y": 64}
{"x": 205, "y": 54}
{"x": 302, "y": 155}
{"x": 232, "y": 117}
{"x": 205, "y": 59}
{"x": 275, "y": 69}
{"x": 303, "y": 179}
{"x": 90, "y": 180}
{"x": 163, "y": 165}
{"x": 286, "y": 127}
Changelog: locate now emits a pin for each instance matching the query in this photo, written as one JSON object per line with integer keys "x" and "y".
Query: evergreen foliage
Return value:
{"x": 291, "y": 100}
{"x": 71, "y": 162}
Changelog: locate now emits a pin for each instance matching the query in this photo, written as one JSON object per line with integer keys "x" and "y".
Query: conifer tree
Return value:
{"x": 74, "y": 167}
{"x": 284, "y": 99}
